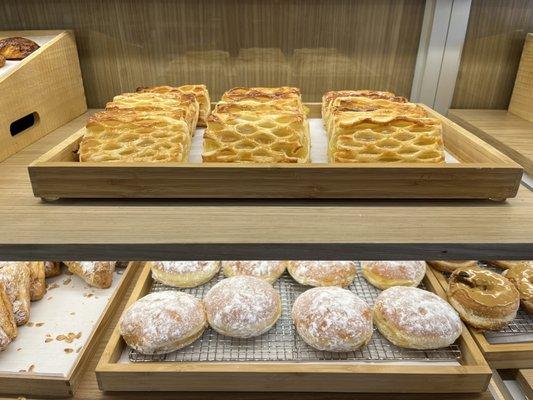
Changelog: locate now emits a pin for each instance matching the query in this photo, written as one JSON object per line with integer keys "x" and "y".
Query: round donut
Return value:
{"x": 484, "y": 299}
{"x": 242, "y": 306}
{"x": 184, "y": 274}
{"x": 332, "y": 319}
{"x": 385, "y": 274}
{"x": 162, "y": 322}
{"x": 450, "y": 266}
{"x": 269, "y": 271}
{"x": 323, "y": 273}
{"x": 522, "y": 277}
{"x": 507, "y": 264}
{"x": 416, "y": 319}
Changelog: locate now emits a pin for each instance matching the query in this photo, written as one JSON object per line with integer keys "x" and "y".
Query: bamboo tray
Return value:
{"x": 481, "y": 173}
{"x": 116, "y": 372}
{"x": 508, "y": 355}
{"x": 55, "y": 372}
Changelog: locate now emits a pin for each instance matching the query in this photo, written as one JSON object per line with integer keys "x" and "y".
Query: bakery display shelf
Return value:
{"x": 474, "y": 170}
{"x": 511, "y": 347}
{"x": 41, "y": 92}
{"x": 38, "y": 362}
{"x": 525, "y": 380}
{"x": 115, "y": 372}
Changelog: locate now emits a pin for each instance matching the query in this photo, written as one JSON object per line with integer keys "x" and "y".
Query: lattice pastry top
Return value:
{"x": 287, "y": 98}
{"x": 357, "y": 138}
{"x": 130, "y": 136}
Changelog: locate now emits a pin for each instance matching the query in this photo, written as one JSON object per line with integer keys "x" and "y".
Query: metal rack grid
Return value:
{"x": 282, "y": 342}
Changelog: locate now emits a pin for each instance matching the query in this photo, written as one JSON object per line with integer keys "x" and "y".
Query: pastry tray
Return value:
{"x": 280, "y": 361}
{"x": 40, "y": 362}
{"x": 474, "y": 170}
{"x": 511, "y": 347}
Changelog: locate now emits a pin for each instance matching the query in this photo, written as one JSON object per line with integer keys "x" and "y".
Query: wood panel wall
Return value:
{"x": 317, "y": 45}
{"x": 496, "y": 33}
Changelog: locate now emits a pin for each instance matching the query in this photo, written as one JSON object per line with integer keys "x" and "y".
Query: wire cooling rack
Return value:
{"x": 282, "y": 342}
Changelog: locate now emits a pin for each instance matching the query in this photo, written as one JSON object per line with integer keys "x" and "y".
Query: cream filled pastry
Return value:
{"x": 269, "y": 271}
{"x": 385, "y": 274}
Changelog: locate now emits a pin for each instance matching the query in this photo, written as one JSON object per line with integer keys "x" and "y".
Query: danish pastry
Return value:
{"x": 8, "y": 327}
{"x": 323, "y": 273}
{"x": 242, "y": 306}
{"x": 162, "y": 322}
{"x": 37, "y": 280}
{"x": 332, "y": 319}
{"x": 507, "y": 264}
{"x": 284, "y": 97}
{"x": 184, "y": 274}
{"x": 17, "y": 48}
{"x": 96, "y": 273}
{"x": 15, "y": 276}
{"x": 450, "y": 266}
{"x": 522, "y": 277}
{"x": 385, "y": 274}
{"x": 484, "y": 299}
{"x": 52, "y": 268}
{"x": 270, "y": 271}
{"x": 416, "y": 319}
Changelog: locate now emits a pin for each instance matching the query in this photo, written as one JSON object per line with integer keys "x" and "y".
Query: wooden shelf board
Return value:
{"x": 507, "y": 132}
{"x": 182, "y": 229}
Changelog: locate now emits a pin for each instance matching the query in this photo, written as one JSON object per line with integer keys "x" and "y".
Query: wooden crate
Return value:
{"x": 499, "y": 355}
{"x": 483, "y": 173}
{"x": 45, "y": 90}
{"x": 522, "y": 99}
{"x": 64, "y": 386}
{"x": 472, "y": 375}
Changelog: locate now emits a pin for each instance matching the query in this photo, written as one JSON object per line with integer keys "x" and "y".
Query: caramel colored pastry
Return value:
{"x": 522, "y": 277}
{"x": 259, "y": 125}
{"x": 242, "y": 306}
{"x": 185, "y": 274}
{"x": 450, "y": 266}
{"x": 2, "y": 61}
{"x": 96, "y": 273}
{"x": 162, "y": 322}
{"x": 37, "y": 279}
{"x": 15, "y": 276}
{"x": 332, "y": 319}
{"x": 129, "y": 136}
{"x": 506, "y": 264}
{"x": 52, "y": 268}
{"x": 17, "y": 48}
{"x": 484, "y": 299}
{"x": 199, "y": 91}
{"x": 8, "y": 327}
{"x": 385, "y": 274}
{"x": 323, "y": 273}
{"x": 270, "y": 271}
{"x": 416, "y": 319}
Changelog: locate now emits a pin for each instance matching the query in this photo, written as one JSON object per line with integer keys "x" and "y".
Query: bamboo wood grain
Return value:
{"x": 473, "y": 374}
{"x": 500, "y": 355}
{"x": 483, "y": 173}
{"x": 522, "y": 98}
{"x": 48, "y": 82}
{"x": 48, "y": 385}
{"x": 507, "y": 132}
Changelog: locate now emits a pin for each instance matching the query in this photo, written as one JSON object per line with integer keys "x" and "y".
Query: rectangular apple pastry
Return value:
{"x": 258, "y": 125}
{"x": 374, "y": 127}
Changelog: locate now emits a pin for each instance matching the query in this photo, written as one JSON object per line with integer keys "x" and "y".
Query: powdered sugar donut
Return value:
{"x": 266, "y": 270}
{"x": 385, "y": 274}
{"x": 242, "y": 306}
{"x": 162, "y": 322}
{"x": 184, "y": 274}
{"x": 323, "y": 273}
{"x": 332, "y": 319}
{"x": 416, "y": 319}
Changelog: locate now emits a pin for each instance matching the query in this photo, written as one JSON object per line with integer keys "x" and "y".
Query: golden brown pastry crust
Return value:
{"x": 15, "y": 277}
{"x": 17, "y": 48}
{"x": 385, "y": 274}
{"x": 52, "y": 268}
{"x": 96, "y": 273}
{"x": 506, "y": 264}
{"x": 2, "y": 61}
{"x": 450, "y": 266}
{"x": 483, "y": 299}
{"x": 37, "y": 280}
{"x": 8, "y": 327}
{"x": 269, "y": 271}
{"x": 522, "y": 277}
{"x": 323, "y": 273}
{"x": 184, "y": 274}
